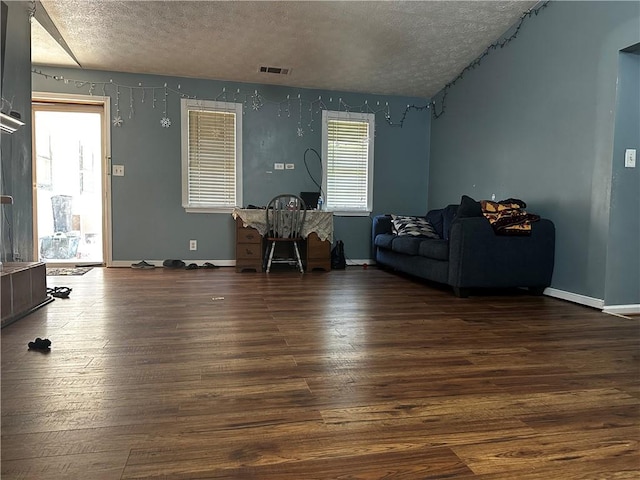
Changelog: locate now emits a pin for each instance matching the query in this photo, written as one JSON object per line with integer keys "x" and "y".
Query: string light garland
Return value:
{"x": 500, "y": 43}
{"x": 255, "y": 100}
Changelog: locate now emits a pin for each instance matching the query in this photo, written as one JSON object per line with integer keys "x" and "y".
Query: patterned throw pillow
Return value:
{"x": 413, "y": 226}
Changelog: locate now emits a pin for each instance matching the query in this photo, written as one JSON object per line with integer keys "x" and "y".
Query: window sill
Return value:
{"x": 227, "y": 210}
{"x": 351, "y": 213}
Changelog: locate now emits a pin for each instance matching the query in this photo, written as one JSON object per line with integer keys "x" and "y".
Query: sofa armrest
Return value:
{"x": 381, "y": 224}
{"x": 480, "y": 258}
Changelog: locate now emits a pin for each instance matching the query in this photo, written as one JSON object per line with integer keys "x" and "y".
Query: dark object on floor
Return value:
{"x": 40, "y": 344}
{"x": 338, "y": 260}
{"x": 191, "y": 266}
{"x": 209, "y": 265}
{"x": 173, "y": 264}
{"x": 59, "y": 292}
{"x": 143, "y": 265}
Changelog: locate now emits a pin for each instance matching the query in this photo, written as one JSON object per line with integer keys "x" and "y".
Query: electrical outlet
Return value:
{"x": 630, "y": 158}
{"x": 278, "y": 166}
{"x": 193, "y": 245}
{"x": 290, "y": 166}
{"x": 118, "y": 170}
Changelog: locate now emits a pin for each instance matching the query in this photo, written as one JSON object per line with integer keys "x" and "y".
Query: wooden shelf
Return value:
{"x": 23, "y": 289}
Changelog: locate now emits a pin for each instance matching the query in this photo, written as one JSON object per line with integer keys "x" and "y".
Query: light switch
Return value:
{"x": 290, "y": 166}
{"x": 118, "y": 170}
{"x": 630, "y": 158}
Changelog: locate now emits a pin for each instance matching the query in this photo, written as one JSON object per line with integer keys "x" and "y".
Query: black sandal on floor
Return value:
{"x": 209, "y": 265}
{"x": 191, "y": 266}
{"x": 59, "y": 292}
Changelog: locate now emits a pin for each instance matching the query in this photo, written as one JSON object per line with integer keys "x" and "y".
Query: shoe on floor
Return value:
{"x": 59, "y": 292}
{"x": 209, "y": 265}
{"x": 173, "y": 263}
{"x": 142, "y": 265}
{"x": 40, "y": 344}
{"x": 191, "y": 266}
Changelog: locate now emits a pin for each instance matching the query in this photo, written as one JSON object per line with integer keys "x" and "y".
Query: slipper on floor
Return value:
{"x": 144, "y": 265}
{"x": 209, "y": 265}
{"x": 191, "y": 266}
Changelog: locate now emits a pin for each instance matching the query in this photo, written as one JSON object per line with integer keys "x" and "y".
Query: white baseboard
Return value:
{"x": 361, "y": 261}
{"x": 575, "y": 298}
{"x": 158, "y": 263}
{"x": 622, "y": 309}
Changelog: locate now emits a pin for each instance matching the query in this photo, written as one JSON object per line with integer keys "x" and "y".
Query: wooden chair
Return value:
{"x": 285, "y": 217}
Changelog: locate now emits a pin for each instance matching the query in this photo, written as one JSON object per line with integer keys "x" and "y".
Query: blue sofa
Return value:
{"x": 469, "y": 254}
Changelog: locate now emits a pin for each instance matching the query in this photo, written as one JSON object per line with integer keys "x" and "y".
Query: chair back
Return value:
{"x": 285, "y": 216}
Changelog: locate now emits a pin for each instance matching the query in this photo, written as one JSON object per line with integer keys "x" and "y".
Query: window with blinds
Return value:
{"x": 348, "y": 161}
{"x": 211, "y": 155}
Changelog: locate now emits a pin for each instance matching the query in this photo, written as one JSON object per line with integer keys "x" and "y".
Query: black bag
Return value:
{"x": 338, "y": 261}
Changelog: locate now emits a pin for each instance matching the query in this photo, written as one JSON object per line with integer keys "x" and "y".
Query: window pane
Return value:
{"x": 211, "y": 156}
{"x": 348, "y": 162}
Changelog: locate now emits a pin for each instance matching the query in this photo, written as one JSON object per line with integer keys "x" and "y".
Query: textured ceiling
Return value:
{"x": 388, "y": 47}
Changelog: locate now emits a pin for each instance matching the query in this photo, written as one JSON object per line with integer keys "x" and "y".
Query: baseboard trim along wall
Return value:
{"x": 622, "y": 309}
{"x": 158, "y": 263}
{"x": 575, "y": 298}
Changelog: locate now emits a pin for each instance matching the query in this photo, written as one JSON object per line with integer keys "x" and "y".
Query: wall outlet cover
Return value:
{"x": 278, "y": 166}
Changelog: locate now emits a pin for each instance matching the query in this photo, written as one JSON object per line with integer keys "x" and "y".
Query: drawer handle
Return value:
{"x": 248, "y": 252}
{"x": 250, "y": 237}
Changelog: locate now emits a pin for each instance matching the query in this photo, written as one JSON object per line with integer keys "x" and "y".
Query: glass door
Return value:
{"x": 68, "y": 173}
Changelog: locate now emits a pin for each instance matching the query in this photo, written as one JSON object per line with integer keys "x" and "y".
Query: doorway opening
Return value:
{"x": 70, "y": 182}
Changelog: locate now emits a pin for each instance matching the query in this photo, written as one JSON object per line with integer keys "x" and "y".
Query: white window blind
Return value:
{"x": 348, "y": 161}
{"x": 211, "y": 155}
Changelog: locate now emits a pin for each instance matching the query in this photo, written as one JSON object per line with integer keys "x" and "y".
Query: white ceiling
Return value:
{"x": 408, "y": 48}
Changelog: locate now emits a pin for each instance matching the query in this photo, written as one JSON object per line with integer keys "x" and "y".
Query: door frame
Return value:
{"x": 94, "y": 100}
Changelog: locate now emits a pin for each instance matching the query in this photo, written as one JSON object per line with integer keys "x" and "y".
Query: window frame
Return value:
{"x": 187, "y": 105}
{"x": 369, "y": 118}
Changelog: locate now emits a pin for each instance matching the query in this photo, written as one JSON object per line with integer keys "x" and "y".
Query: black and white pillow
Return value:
{"x": 413, "y": 226}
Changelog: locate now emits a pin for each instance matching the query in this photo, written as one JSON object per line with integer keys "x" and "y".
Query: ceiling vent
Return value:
{"x": 276, "y": 70}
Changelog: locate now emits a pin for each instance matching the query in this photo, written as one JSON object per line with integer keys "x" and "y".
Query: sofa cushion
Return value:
{"x": 437, "y": 249}
{"x": 384, "y": 240}
{"x": 434, "y": 217}
{"x": 469, "y": 208}
{"x": 406, "y": 244}
{"x": 448, "y": 215}
{"x": 413, "y": 227}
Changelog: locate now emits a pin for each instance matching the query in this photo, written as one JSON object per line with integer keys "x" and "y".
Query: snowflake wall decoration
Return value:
{"x": 165, "y": 122}
{"x": 300, "y": 132}
{"x": 117, "y": 121}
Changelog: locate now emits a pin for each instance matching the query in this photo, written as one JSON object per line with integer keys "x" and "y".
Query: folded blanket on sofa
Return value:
{"x": 508, "y": 217}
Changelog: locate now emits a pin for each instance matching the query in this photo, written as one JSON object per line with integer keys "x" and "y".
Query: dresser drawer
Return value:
{"x": 249, "y": 251}
{"x": 248, "y": 235}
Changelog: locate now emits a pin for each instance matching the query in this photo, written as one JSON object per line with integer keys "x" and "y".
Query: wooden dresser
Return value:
{"x": 249, "y": 249}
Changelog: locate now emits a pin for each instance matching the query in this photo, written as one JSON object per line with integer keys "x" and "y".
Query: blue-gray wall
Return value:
{"x": 535, "y": 121}
{"x": 623, "y": 253}
{"x": 15, "y": 149}
{"x": 148, "y": 219}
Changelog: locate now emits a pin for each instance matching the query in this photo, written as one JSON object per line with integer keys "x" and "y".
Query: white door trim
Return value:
{"x": 105, "y": 102}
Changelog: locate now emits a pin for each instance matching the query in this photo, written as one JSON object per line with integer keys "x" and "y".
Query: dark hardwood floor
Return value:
{"x": 356, "y": 374}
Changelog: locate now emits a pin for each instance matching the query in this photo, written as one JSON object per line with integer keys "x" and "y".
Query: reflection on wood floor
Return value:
{"x": 355, "y": 374}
